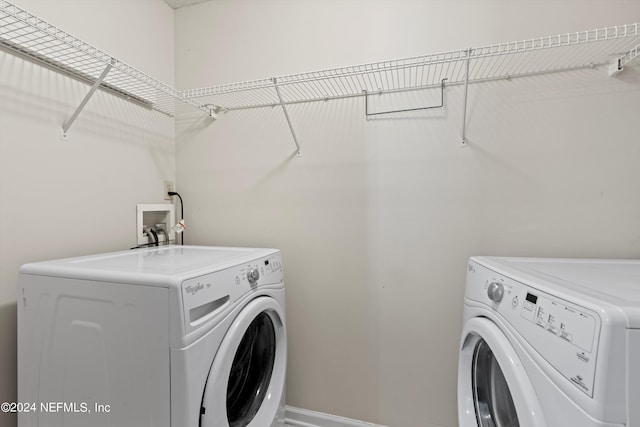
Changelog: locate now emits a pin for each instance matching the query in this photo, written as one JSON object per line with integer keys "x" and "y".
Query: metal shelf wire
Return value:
{"x": 38, "y": 40}
{"x": 28, "y": 35}
{"x": 521, "y": 58}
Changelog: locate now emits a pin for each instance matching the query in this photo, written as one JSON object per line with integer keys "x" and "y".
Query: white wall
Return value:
{"x": 77, "y": 197}
{"x": 378, "y": 217}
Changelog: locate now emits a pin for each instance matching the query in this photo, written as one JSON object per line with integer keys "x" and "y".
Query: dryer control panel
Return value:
{"x": 565, "y": 334}
{"x": 207, "y": 296}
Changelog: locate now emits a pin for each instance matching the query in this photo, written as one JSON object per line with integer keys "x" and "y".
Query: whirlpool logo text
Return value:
{"x": 193, "y": 289}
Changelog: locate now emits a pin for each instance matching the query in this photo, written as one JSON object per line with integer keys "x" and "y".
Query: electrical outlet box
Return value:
{"x": 151, "y": 215}
{"x": 168, "y": 186}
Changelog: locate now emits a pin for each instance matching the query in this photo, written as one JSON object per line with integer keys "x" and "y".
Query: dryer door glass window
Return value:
{"x": 492, "y": 398}
{"x": 251, "y": 371}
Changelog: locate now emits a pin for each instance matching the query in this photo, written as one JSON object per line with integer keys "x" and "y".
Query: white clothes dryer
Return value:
{"x": 550, "y": 342}
{"x": 173, "y": 336}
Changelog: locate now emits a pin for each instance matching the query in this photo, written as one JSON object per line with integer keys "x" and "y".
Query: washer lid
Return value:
{"x": 616, "y": 282}
{"x": 159, "y": 266}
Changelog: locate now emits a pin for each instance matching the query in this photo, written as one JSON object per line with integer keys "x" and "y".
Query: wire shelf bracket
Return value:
{"x": 32, "y": 38}
{"x": 463, "y": 137}
{"x": 616, "y": 66}
{"x": 286, "y": 115}
{"x": 96, "y": 85}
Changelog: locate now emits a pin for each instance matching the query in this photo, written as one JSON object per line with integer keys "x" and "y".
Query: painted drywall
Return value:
{"x": 377, "y": 218}
{"x": 66, "y": 198}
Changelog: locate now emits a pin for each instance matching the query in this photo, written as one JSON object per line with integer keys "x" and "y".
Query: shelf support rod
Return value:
{"x": 286, "y": 115}
{"x": 74, "y": 116}
{"x": 464, "y": 105}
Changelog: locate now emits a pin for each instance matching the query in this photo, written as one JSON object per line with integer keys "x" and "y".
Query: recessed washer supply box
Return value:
{"x": 148, "y": 215}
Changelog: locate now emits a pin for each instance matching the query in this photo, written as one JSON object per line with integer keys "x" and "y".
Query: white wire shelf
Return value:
{"x": 521, "y": 58}
{"x": 38, "y": 40}
{"x": 29, "y": 36}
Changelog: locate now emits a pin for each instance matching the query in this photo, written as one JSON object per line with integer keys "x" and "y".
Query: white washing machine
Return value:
{"x": 550, "y": 342}
{"x": 175, "y": 336}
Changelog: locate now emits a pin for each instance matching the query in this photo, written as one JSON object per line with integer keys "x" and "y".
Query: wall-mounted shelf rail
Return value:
{"x": 500, "y": 61}
{"x": 30, "y": 36}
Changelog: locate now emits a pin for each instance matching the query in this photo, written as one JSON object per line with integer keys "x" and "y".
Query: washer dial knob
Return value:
{"x": 495, "y": 292}
{"x": 253, "y": 275}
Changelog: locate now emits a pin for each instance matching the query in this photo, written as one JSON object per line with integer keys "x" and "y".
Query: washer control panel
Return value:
{"x": 565, "y": 334}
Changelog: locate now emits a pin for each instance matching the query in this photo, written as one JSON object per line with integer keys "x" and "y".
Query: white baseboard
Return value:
{"x": 297, "y": 417}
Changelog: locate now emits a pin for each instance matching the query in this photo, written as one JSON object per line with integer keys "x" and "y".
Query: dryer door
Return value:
{"x": 493, "y": 387}
{"x": 246, "y": 382}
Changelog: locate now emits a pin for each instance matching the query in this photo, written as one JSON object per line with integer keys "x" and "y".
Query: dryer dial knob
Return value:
{"x": 495, "y": 292}
{"x": 253, "y": 275}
